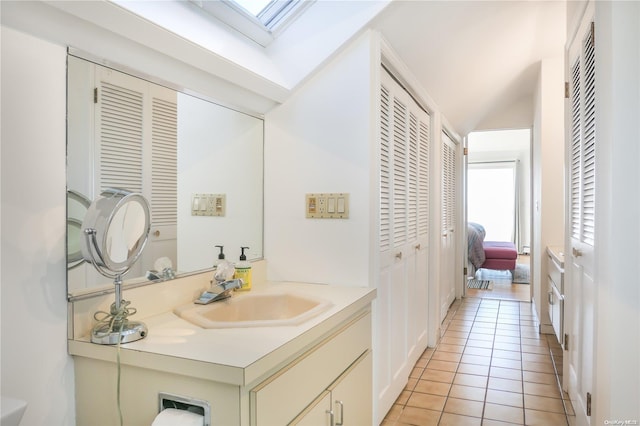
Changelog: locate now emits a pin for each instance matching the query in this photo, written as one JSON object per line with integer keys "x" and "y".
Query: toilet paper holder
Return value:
{"x": 198, "y": 406}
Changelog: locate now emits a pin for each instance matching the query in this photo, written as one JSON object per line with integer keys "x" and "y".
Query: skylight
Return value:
{"x": 260, "y": 20}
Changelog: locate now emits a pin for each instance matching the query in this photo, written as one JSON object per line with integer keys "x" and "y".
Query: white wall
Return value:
{"x": 548, "y": 178}
{"x": 35, "y": 364}
{"x": 319, "y": 140}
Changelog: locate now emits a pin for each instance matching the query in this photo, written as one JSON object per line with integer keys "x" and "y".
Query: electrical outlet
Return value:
{"x": 327, "y": 205}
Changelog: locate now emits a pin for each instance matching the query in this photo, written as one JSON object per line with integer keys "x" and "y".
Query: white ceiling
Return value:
{"x": 476, "y": 58}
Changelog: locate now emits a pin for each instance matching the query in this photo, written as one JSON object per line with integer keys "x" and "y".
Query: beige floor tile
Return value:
{"x": 499, "y": 353}
{"x": 394, "y": 412}
{"x": 453, "y": 341}
{"x": 467, "y": 392}
{"x": 478, "y": 370}
{"x": 480, "y": 343}
{"x": 538, "y": 367}
{"x": 506, "y": 346}
{"x": 505, "y": 384}
{"x": 512, "y": 399}
{"x": 438, "y": 375}
{"x": 416, "y": 372}
{"x": 411, "y": 383}
{"x": 404, "y": 397}
{"x": 506, "y": 363}
{"x": 451, "y": 348}
{"x": 535, "y": 342}
{"x": 515, "y": 334}
{"x": 456, "y": 334}
{"x": 534, "y": 377}
{"x": 419, "y": 416}
{"x": 425, "y": 400}
{"x": 446, "y": 356}
{"x": 529, "y": 357}
{"x": 475, "y": 335}
{"x": 434, "y": 388}
{"x": 541, "y": 403}
{"x": 504, "y": 413}
{"x": 464, "y": 407}
{"x": 505, "y": 373}
{"x": 543, "y": 418}
{"x": 449, "y": 419}
{"x": 475, "y": 359}
{"x": 488, "y": 422}
{"x": 501, "y": 326}
{"x": 541, "y": 389}
{"x": 470, "y": 380}
{"x": 435, "y": 364}
{"x": 421, "y": 363}
{"x": 470, "y": 350}
{"x": 501, "y": 338}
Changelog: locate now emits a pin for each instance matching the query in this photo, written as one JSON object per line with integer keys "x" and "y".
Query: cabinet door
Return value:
{"x": 351, "y": 394}
{"x": 317, "y": 414}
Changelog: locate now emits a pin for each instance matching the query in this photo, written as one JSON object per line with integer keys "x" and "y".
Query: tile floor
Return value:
{"x": 491, "y": 367}
{"x": 502, "y": 286}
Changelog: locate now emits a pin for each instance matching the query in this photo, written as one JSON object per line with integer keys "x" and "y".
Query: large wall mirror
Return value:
{"x": 198, "y": 164}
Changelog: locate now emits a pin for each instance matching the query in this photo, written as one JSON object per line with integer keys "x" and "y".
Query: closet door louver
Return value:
{"x": 385, "y": 170}
{"x": 399, "y": 173}
{"x": 164, "y": 159}
{"x": 448, "y": 184}
{"x": 583, "y": 137}
{"x": 121, "y": 137}
{"x": 404, "y": 171}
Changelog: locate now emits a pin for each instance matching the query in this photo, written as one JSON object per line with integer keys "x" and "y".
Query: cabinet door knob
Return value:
{"x": 418, "y": 246}
{"x": 399, "y": 255}
{"x": 157, "y": 233}
{"x": 576, "y": 252}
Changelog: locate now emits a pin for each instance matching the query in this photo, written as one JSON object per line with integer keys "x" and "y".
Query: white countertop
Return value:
{"x": 557, "y": 253}
{"x": 232, "y": 355}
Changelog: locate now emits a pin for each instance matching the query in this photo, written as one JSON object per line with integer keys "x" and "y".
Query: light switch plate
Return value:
{"x": 333, "y": 205}
{"x": 208, "y": 204}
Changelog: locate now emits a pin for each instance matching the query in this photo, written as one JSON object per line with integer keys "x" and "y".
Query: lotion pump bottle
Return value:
{"x": 243, "y": 270}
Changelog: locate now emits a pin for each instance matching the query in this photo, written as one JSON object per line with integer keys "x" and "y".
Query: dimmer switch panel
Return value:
{"x": 208, "y": 204}
{"x": 327, "y": 206}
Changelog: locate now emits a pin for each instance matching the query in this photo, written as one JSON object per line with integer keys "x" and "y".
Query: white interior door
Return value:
{"x": 448, "y": 224}
{"x": 580, "y": 291}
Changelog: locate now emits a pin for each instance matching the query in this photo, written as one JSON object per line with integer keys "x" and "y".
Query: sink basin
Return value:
{"x": 254, "y": 310}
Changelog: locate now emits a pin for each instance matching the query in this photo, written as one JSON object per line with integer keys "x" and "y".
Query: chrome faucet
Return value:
{"x": 219, "y": 291}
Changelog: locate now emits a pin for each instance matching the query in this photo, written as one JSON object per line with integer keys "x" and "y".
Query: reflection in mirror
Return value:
{"x": 199, "y": 164}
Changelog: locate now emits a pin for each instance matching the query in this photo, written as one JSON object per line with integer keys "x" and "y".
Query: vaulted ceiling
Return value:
{"x": 477, "y": 59}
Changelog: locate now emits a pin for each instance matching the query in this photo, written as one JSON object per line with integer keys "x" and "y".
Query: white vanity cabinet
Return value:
{"x": 255, "y": 376}
{"x": 328, "y": 367}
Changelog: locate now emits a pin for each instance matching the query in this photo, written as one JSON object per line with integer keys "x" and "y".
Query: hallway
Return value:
{"x": 491, "y": 367}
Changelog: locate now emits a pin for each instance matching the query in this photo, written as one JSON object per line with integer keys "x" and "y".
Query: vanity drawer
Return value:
{"x": 555, "y": 272}
{"x": 279, "y": 399}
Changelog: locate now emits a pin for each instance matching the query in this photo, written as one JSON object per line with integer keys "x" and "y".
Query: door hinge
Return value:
{"x": 464, "y": 271}
{"x": 95, "y": 95}
{"x": 465, "y": 151}
{"x": 566, "y": 342}
{"x": 589, "y": 404}
{"x": 566, "y": 90}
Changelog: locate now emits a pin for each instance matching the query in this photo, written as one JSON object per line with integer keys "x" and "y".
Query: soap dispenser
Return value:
{"x": 243, "y": 270}
{"x": 220, "y": 257}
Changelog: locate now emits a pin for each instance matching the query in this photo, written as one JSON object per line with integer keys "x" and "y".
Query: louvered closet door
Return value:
{"x": 402, "y": 290}
{"x": 136, "y": 149}
{"x": 448, "y": 222}
{"x": 580, "y": 285}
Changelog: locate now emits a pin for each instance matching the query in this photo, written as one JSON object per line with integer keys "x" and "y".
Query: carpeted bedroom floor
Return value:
{"x": 501, "y": 285}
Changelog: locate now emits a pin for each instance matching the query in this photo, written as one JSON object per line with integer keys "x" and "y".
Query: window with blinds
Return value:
{"x": 583, "y": 139}
{"x": 404, "y": 166}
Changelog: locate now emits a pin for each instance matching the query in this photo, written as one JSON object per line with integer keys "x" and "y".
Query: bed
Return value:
{"x": 496, "y": 255}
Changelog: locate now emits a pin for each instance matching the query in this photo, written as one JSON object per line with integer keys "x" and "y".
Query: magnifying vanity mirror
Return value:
{"x": 114, "y": 233}
{"x": 199, "y": 165}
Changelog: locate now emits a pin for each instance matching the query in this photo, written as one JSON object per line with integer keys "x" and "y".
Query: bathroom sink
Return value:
{"x": 254, "y": 310}
{"x": 12, "y": 411}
